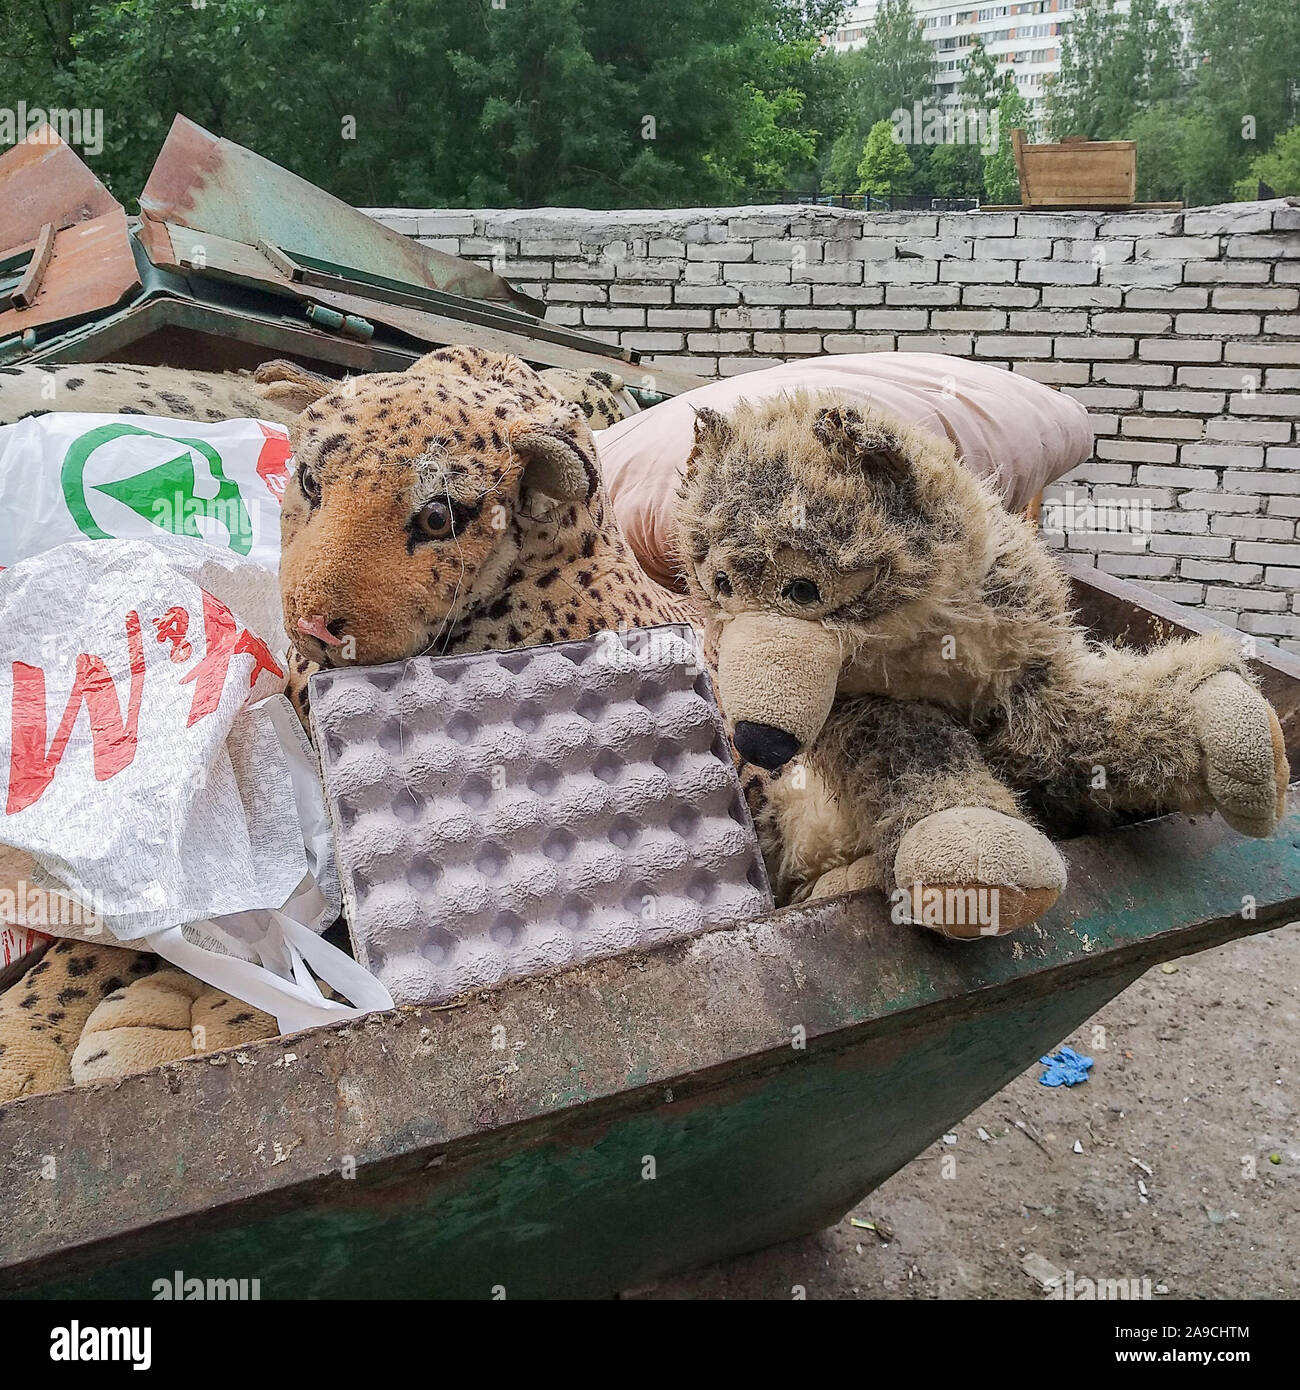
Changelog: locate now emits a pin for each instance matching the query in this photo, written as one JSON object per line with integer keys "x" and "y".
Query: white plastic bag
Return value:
{"x": 151, "y": 767}
{"x": 69, "y": 477}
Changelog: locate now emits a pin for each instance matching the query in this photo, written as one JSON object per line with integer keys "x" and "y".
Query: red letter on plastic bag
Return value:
{"x": 113, "y": 739}
{"x": 224, "y": 640}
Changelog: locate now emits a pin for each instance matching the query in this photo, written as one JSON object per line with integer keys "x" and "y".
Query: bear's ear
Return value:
{"x": 711, "y": 427}
{"x": 848, "y": 438}
{"x": 713, "y": 430}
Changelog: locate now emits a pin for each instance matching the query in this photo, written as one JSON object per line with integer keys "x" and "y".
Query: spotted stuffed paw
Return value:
{"x": 43, "y": 1014}
{"x": 1246, "y": 770}
{"x": 32, "y": 1059}
{"x": 164, "y": 1018}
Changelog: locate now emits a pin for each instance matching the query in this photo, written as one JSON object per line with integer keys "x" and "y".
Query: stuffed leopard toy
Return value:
{"x": 113, "y": 388}
{"x": 452, "y": 507}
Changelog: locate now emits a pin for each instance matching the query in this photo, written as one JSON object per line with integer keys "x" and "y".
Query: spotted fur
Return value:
{"x": 532, "y": 553}
{"x": 127, "y": 389}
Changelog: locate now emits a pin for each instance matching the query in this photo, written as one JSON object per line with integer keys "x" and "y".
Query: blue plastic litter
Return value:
{"x": 1065, "y": 1068}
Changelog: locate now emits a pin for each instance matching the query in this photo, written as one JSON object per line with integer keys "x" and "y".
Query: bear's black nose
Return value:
{"x": 765, "y": 746}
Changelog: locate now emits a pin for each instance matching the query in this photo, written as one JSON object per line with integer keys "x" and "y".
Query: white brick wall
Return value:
{"x": 1179, "y": 331}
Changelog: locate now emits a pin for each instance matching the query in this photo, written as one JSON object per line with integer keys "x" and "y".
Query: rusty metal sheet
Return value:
{"x": 172, "y": 330}
{"x": 435, "y": 329}
{"x": 25, "y": 292}
{"x": 212, "y": 185}
{"x": 91, "y": 267}
{"x": 171, "y": 246}
{"x": 46, "y": 182}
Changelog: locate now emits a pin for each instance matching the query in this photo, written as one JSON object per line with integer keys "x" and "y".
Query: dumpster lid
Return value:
{"x": 234, "y": 260}
{"x": 216, "y": 187}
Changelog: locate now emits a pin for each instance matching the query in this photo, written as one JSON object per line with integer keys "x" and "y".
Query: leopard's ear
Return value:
{"x": 851, "y": 441}
{"x": 557, "y": 460}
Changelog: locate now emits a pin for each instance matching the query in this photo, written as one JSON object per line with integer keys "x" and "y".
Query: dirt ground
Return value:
{"x": 1158, "y": 1167}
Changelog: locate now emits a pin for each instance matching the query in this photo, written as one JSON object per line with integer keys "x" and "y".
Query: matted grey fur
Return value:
{"x": 900, "y": 646}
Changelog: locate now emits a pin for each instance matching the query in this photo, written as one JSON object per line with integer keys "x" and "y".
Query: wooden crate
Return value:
{"x": 1076, "y": 173}
{"x": 773, "y": 1073}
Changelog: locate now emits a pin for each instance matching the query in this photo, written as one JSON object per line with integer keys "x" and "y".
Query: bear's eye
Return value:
{"x": 802, "y": 591}
{"x": 309, "y": 483}
{"x": 722, "y": 584}
{"x": 435, "y": 521}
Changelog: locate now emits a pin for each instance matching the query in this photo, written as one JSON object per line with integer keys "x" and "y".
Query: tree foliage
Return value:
{"x": 1112, "y": 66}
{"x": 1279, "y": 168}
{"x": 981, "y": 85}
{"x": 1001, "y": 181}
{"x": 580, "y": 102}
{"x": 440, "y": 103}
{"x": 891, "y": 71}
{"x": 1202, "y": 108}
{"x": 885, "y": 166}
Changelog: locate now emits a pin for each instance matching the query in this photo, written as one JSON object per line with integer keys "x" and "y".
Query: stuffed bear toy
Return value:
{"x": 896, "y": 650}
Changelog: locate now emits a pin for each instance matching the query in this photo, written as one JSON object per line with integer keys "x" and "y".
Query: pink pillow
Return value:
{"x": 1016, "y": 431}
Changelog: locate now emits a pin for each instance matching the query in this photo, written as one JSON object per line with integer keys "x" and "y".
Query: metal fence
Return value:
{"x": 873, "y": 202}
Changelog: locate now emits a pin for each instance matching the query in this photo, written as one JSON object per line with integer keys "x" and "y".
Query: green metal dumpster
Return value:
{"x": 587, "y": 1132}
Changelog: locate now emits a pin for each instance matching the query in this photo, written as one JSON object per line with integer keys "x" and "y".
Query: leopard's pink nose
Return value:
{"x": 316, "y": 627}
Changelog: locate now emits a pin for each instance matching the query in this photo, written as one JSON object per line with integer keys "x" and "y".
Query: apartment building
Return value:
{"x": 1024, "y": 37}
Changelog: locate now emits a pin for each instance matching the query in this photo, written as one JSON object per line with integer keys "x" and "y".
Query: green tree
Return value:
{"x": 1200, "y": 114}
{"x": 1001, "y": 181}
{"x": 437, "y": 103}
{"x": 1161, "y": 136}
{"x": 952, "y": 171}
{"x": 891, "y": 71}
{"x": 1113, "y": 65}
{"x": 981, "y": 86}
{"x": 957, "y": 170}
{"x": 885, "y": 166}
{"x": 775, "y": 148}
{"x": 1279, "y": 168}
{"x": 1247, "y": 62}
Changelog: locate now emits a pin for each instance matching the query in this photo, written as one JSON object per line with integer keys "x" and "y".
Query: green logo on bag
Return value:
{"x": 163, "y": 494}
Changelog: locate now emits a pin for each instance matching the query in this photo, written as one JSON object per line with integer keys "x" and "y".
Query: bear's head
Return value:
{"x": 805, "y": 527}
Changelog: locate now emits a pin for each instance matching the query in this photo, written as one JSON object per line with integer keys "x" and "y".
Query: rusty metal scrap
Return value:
{"x": 90, "y": 268}
{"x": 44, "y": 181}
{"x": 211, "y": 185}
{"x": 234, "y": 260}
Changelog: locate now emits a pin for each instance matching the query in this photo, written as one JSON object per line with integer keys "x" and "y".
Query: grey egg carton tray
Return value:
{"x": 507, "y": 813}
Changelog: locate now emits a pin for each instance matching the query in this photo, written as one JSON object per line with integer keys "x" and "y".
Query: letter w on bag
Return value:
{"x": 113, "y": 737}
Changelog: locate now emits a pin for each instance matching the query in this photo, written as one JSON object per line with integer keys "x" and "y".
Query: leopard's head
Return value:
{"x": 412, "y": 497}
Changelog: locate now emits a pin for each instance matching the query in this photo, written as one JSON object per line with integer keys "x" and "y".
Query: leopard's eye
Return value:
{"x": 802, "y": 591}
{"x": 435, "y": 521}
{"x": 722, "y": 584}
{"x": 309, "y": 483}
